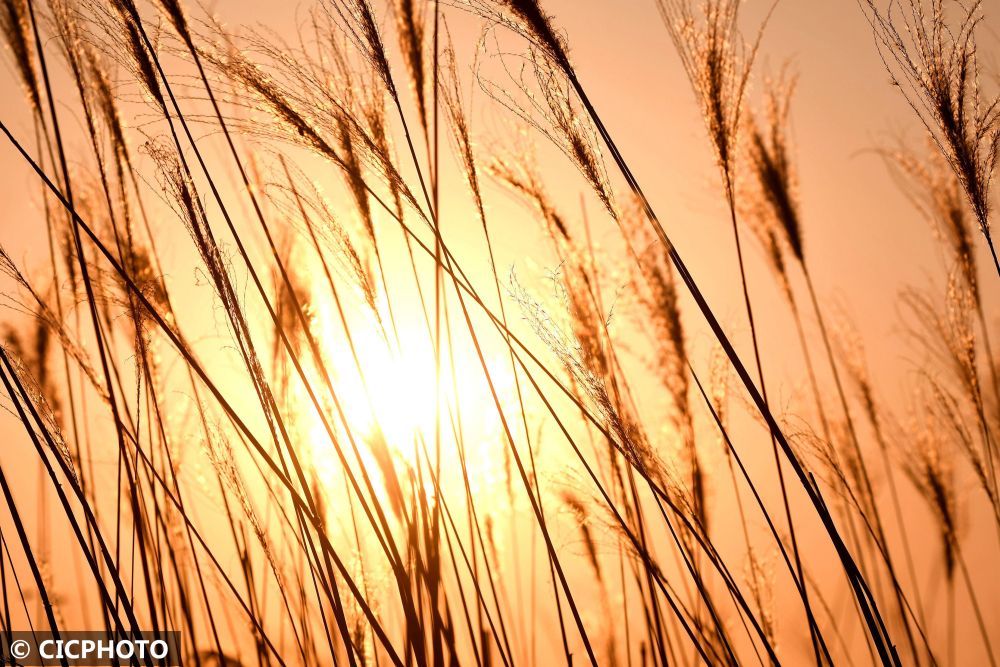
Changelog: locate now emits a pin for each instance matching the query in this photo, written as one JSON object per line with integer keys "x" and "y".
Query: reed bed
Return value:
{"x": 270, "y": 383}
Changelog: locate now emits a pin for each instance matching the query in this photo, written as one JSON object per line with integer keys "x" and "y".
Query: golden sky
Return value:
{"x": 863, "y": 240}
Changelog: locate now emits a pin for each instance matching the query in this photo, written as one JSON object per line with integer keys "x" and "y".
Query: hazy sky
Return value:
{"x": 861, "y": 238}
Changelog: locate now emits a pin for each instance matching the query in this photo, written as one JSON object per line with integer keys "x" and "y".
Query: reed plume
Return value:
{"x": 935, "y": 65}
{"x": 17, "y": 35}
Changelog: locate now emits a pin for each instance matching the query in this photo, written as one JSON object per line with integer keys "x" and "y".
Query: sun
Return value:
{"x": 396, "y": 391}
{"x": 388, "y": 387}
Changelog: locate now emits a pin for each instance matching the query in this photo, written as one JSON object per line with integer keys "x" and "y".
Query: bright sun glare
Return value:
{"x": 398, "y": 395}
